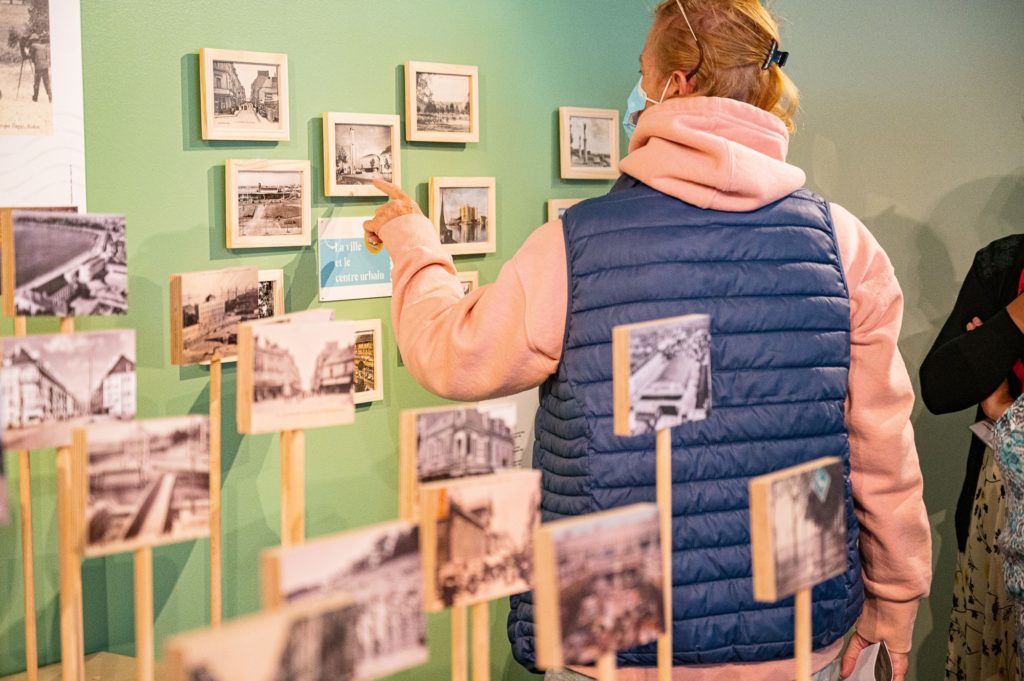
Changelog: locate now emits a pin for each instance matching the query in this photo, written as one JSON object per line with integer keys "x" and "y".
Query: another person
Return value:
{"x": 806, "y": 312}
{"x": 1008, "y": 439}
{"x": 37, "y": 49}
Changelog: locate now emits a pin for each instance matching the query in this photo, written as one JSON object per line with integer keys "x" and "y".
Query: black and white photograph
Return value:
{"x": 798, "y": 527}
{"x": 69, "y": 264}
{"x": 609, "y": 582}
{"x": 358, "y": 149}
{"x": 301, "y": 375}
{"x": 589, "y": 143}
{"x": 57, "y": 382}
{"x": 557, "y": 208}
{"x": 244, "y": 95}
{"x": 464, "y": 441}
{"x": 381, "y": 569}
{"x": 148, "y": 483}
{"x": 211, "y": 306}
{"x": 314, "y": 641}
{"x": 369, "y": 366}
{"x": 463, "y": 211}
{"x": 441, "y": 102}
{"x": 482, "y": 537}
{"x": 669, "y": 373}
{"x": 26, "y": 87}
{"x": 269, "y": 203}
{"x": 271, "y": 295}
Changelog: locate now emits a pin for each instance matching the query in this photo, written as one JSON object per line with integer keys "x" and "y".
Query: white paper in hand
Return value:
{"x": 874, "y": 664}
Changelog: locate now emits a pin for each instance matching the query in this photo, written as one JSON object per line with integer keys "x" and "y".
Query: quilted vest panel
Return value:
{"x": 773, "y": 284}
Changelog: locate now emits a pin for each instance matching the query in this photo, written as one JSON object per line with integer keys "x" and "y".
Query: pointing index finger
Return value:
{"x": 392, "y": 190}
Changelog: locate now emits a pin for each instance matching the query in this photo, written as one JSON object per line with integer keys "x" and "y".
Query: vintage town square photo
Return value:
{"x": 66, "y": 264}
{"x": 478, "y": 537}
{"x": 206, "y": 309}
{"x": 268, "y": 203}
{"x": 244, "y": 95}
{"x": 381, "y": 569}
{"x": 148, "y": 483}
{"x": 589, "y": 143}
{"x": 662, "y": 373}
{"x": 57, "y": 382}
{"x": 441, "y": 103}
{"x": 358, "y": 149}
{"x": 463, "y": 210}
{"x": 26, "y": 107}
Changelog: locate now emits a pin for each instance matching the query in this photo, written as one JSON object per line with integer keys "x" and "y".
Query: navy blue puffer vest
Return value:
{"x": 773, "y": 284}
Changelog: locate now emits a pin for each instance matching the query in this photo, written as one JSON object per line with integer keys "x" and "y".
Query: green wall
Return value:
{"x": 911, "y": 118}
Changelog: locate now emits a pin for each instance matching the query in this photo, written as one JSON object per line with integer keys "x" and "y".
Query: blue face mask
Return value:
{"x": 636, "y": 104}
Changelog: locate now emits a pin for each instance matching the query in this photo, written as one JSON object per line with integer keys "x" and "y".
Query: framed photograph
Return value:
{"x": 588, "y": 143}
{"x": 244, "y": 95}
{"x": 147, "y": 482}
{"x": 348, "y": 271}
{"x": 314, "y": 640}
{"x": 64, "y": 264}
{"x": 477, "y": 537}
{"x": 295, "y": 374}
{"x": 464, "y": 211}
{"x": 271, "y": 297}
{"x": 797, "y": 528}
{"x": 470, "y": 281}
{"x": 268, "y": 204}
{"x": 358, "y": 149}
{"x": 206, "y": 309}
{"x": 369, "y": 367}
{"x": 381, "y": 569}
{"x": 54, "y": 383}
{"x": 598, "y": 585}
{"x": 556, "y": 207}
{"x": 442, "y": 102}
{"x": 661, "y": 373}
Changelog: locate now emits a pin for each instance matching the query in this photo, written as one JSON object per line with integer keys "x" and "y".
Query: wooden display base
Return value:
{"x": 98, "y": 667}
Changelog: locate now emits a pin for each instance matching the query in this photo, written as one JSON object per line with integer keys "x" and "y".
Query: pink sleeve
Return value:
{"x": 501, "y": 339}
{"x": 895, "y": 538}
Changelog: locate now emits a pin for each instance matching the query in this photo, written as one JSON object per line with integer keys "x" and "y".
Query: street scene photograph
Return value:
{"x": 362, "y": 153}
{"x": 26, "y": 95}
{"x": 246, "y": 95}
{"x": 590, "y": 142}
{"x": 269, "y": 202}
{"x": 213, "y": 303}
{"x": 464, "y": 441}
{"x": 464, "y": 217}
{"x": 442, "y": 102}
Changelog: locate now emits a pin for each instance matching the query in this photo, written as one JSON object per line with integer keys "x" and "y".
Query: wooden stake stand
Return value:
{"x": 28, "y": 570}
{"x": 216, "y": 582}
{"x": 664, "y": 496}
{"x": 606, "y": 667}
{"x": 293, "y": 487}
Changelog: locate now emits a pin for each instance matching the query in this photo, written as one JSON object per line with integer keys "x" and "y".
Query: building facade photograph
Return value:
{"x": 461, "y": 442}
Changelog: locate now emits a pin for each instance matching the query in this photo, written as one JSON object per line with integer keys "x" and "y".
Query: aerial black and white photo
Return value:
{"x": 69, "y": 264}
{"x": 213, "y": 303}
{"x": 443, "y": 102}
{"x": 669, "y": 373}
{"x": 464, "y": 441}
{"x": 25, "y": 66}
{"x": 362, "y": 153}
{"x": 148, "y": 483}
{"x": 590, "y": 142}
{"x": 464, "y": 215}
{"x": 381, "y": 569}
{"x": 246, "y": 95}
{"x": 269, "y": 203}
{"x": 54, "y": 383}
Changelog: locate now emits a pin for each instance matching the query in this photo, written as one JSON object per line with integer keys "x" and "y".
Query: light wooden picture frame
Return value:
{"x": 359, "y": 148}
{"x": 558, "y": 206}
{"x": 442, "y": 102}
{"x": 267, "y": 203}
{"x": 369, "y": 364}
{"x": 588, "y": 143}
{"x": 206, "y": 309}
{"x": 470, "y": 281}
{"x": 243, "y": 95}
{"x": 464, "y": 211}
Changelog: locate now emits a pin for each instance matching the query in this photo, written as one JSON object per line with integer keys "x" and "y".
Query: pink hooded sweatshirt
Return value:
{"x": 506, "y": 337}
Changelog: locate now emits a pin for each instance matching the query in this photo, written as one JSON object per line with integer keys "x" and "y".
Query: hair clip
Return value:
{"x": 775, "y": 56}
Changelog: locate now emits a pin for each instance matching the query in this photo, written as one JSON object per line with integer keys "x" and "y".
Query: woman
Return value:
{"x": 805, "y": 308}
{"x": 976, "y": 361}
{"x": 1008, "y": 441}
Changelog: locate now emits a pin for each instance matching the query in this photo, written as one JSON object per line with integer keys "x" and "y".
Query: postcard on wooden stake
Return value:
{"x": 347, "y": 270}
{"x": 797, "y": 528}
{"x": 206, "y": 309}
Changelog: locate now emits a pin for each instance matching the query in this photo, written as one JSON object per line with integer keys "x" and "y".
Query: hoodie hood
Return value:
{"x": 714, "y": 153}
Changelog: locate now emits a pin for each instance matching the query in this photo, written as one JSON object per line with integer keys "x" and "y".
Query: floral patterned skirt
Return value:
{"x": 983, "y": 624}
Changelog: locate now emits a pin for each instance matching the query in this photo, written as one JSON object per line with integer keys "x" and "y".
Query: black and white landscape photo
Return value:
{"x": 270, "y": 203}
{"x": 26, "y": 84}
{"x": 465, "y": 215}
{"x": 381, "y": 569}
{"x": 213, "y": 304}
{"x": 443, "y": 102}
{"x": 148, "y": 483}
{"x": 669, "y": 373}
{"x": 464, "y": 441}
{"x": 69, "y": 264}
{"x": 590, "y": 142}
{"x": 54, "y": 383}
{"x": 363, "y": 153}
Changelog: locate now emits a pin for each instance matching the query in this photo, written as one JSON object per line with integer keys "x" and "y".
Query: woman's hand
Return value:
{"x": 399, "y": 205}
{"x": 900, "y": 661}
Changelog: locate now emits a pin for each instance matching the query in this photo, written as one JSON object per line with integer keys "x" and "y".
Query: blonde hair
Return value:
{"x": 736, "y": 37}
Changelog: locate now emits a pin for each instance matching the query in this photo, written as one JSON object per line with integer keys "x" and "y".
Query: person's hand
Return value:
{"x": 399, "y": 205}
{"x": 974, "y": 324}
{"x": 996, "y": 404}
{"x": 900, "y": 661}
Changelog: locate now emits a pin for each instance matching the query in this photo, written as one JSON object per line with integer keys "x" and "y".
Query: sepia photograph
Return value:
{"x": 599, "y": 585}
{"x": 244, "y": 95}
{"x": 358, "y": 149}
{"x": 55, "y": 383}
{"x": 148, "y": 483}
{"x": 315, "y": 641}
{"x": 206, "y": 309}
{"x": 441, "y": 103}
{"x": 798, "y": 528}
{"x": 662, "y": 373}
{"x": 25, "y": 61}
{"x": 462, "y": 441}
{"x": 381, "y": 569}
{"x": 66, "y": 264}
{"x": 557, "y": 207}
{"x": 268, "y": 203}
{"x": 463, "y": 210}
{"x": 295, "y": 374}
{"x": 271, "y": 296}
{"x": 369, "y": 367}
{"x": 589, "y": 143}
{"x": 478, "y": 537}
{"x": 470, "y": 281}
